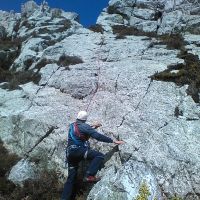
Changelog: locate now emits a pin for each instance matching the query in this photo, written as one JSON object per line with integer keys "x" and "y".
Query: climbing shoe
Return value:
{"x": 91, "y": 179}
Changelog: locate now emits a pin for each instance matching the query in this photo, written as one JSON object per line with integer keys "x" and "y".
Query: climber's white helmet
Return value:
{"x": 82, "y": 115}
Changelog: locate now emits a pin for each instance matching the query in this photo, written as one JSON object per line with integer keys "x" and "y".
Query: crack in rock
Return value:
{"x": 147, "y": 90}
{"x": 165, "y": 124}
{"x": 123, "y": 119}
{"x": 94, "y": 92}
{"x": 44, "y": 85}
{"x": 110, "y": 153}
{"x": 41, "y": 139}
{"x": 116, "y": 83}
{"x": 192, "y": 119}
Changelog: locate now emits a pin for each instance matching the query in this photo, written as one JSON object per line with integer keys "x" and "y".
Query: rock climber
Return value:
{"x": 78, "y": 149}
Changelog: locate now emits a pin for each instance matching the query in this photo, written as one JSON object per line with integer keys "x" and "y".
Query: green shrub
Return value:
{"x": 122, "y": 31}
{"x": 144, "y": 192}
{"x": 189, "y": 72}
{"x": 97, "y": 28}
{"x": 27, "y": 24}
{"x": 66, "y": 60}
{"x": 173, "y": 41}
{"x": 7, "y": 160}
{"x": 111, "y": 10}
{"x": 43, "y": 62}
{"x": 14, "y": 79}
{"x": 175, "y": 198}
{"x": 46, "y": 187}
{"x": 66, "y": 24}
{"x": 28, "y": 63}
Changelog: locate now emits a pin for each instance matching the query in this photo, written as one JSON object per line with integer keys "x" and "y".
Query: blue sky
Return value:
{"x": 88, "y": 10}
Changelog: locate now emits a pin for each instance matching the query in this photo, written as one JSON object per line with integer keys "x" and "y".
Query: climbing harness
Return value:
{"x": 74, "y": 131}
{"x": 78, "y": 133}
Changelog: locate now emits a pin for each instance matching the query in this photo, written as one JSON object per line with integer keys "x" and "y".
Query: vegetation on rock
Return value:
{"x": 122, "y": 31}
{"x": 66, "y": 60}
{"x": 144, "y": 192}
{"x": 96, "y": 28}
{"x": 46, "y": 187}
{"x": 6, "y": 162}
{"x": 187, "y": 73}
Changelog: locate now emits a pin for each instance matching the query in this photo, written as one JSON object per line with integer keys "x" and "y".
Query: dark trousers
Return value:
{"x": 75, "y": 155}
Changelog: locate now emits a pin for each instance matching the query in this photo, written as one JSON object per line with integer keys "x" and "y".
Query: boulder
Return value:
{"x": 22, "y": 171}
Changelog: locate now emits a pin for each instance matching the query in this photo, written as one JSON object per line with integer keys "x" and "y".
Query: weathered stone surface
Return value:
{"x": 28, "y": 8}
{"x": 2, "y": 32}
{"x": 114, "y": 82}
{"x": 156, "y": 16}
{"x": 193, "y": 45}
{"x": 125, "y": 183}
{"x": 22, "y": 171}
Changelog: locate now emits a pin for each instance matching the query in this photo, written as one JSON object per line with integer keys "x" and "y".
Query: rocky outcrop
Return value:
{"x": 125, "y": 183}
{"x": 162, "y": 17}
{"x": 2, "y": 32}
{"x": 112, "y": 77}
{"x": 9, "y": 21}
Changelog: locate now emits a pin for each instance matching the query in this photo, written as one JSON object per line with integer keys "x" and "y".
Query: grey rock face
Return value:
{"x": 125, "y": 183}
{"x": 154, "y": 16}
{"x": 28, "y": 8}
{"x": 2, "y": 32}
{"x": 9, "y": 20}
{"x": 112, "y": 78}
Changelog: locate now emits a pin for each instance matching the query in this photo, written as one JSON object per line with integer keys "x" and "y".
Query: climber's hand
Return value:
{"x": 96, "y": 125}
{"x": 119, "y": 142}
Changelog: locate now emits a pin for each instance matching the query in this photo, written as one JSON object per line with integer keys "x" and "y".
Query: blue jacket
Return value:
{"x": 88, "y": 131}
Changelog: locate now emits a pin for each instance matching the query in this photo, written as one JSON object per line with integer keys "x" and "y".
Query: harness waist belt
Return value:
{"x": 72, "y": 146}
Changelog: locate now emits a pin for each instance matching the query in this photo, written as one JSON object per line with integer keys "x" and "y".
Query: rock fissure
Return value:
{"x": 50, "y": 131}
{"x": 143, "y": 97}
{"x": 44, "y": 85}
{"x": 192, "y": 119}
{"x": 116, "y": 83}
{"x": 123, "y": 119}
{"x": 94, "y": 92}
{"x": 126, "y": 35}
{"x": 164, "y": 125}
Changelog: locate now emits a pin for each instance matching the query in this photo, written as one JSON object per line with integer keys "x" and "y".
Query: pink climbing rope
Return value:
{"x": 98, "y": 74}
